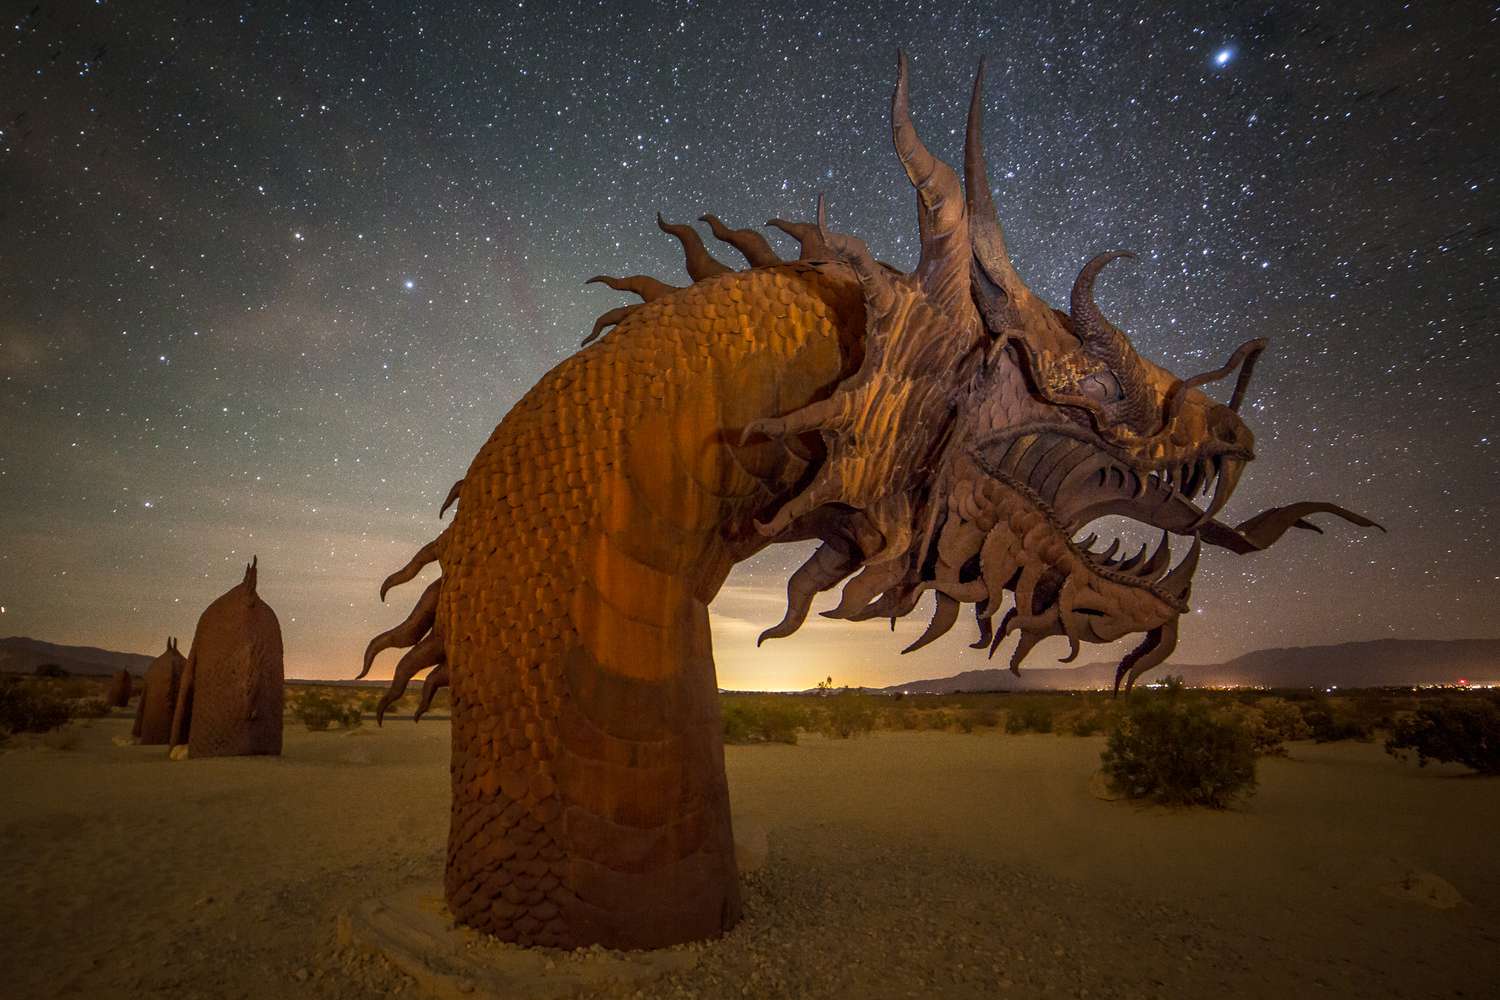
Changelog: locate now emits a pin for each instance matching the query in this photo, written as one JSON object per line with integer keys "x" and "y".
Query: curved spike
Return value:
{"x": 864, "y": 588}
{"x": 1180, "y": 580}
{"x": 1006, "y": 624}
{"x": 747, "y": 241}
{"x": 1023, "y": 649}
{"x": 942, "y": 217}
{"x": 408, "y": 632}
{"x": 437, "y": 679}
{"x": 1126, "y": 565}
{"x": 810, "y": 247}
{"x": 986, "y": 628}
{"x": 1073, "y": 648}
{"x": 1158, "y": 645}
{"x": 1088, "y": 543}
{"x": 647, "y": 287}
{"x": 251, "y": 574}
{"x": 425, "y": 555}
{"x": 1159, "y": 561}
{"x": 700, "y": 263}
{"x": 943, "y": 617}
{"x": 449, "y": 500}
{"x": 1114, "y": 547}
{"x": 827, "y": 566}
{"x": 427, "y": 653}
{"x": 613, "y": 317}
{"x": 985, "y": 231}
{"x": 1244, "y": 356}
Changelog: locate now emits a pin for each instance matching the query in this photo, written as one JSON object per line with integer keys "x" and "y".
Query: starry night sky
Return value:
{"x": 268, "y": 278}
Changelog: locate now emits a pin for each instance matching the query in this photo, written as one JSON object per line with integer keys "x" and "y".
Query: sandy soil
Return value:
{"x": 901, "y": 865}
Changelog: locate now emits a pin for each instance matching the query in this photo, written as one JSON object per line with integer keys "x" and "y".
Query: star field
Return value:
{"x": 270, "y": 275}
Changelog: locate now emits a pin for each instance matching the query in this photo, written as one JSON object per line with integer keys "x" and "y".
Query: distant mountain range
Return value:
{"x": 21, "y": 655}
{"x": 1380, "y": 663}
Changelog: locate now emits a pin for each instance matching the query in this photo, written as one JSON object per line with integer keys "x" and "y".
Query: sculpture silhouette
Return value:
{"x": 940, "y": 430}
{"x": 118, "y": 693}
{"x": 153, "y": 713}
{"x": 230, "y": 698}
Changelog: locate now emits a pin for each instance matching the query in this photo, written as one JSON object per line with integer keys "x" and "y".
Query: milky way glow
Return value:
{"x": 315, "y": 411}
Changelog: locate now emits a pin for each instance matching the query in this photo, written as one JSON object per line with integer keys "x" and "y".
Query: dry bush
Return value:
{"x": 1169, "y": 748}
{"x": 846, "y": 714}
{"x": 770, "y": 719}
{"x": 318, "y": 710}
{"x": 1030, "y": 716}
{"x": 28, "y": 708}
{"x": 1463, "y": 731}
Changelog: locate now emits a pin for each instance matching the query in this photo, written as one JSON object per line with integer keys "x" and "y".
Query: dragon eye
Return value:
{"x": 1102, "y": 386}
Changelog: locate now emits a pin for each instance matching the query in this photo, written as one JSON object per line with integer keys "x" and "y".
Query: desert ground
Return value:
{"x": 899, "y": 864}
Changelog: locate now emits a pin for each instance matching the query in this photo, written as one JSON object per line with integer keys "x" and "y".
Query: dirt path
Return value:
{"x": 904, "y": 864}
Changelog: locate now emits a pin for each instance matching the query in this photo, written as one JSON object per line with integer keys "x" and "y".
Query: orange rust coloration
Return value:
{"x": 943, "y": 429}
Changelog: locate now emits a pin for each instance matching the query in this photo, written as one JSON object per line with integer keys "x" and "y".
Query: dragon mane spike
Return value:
{"x": 806, "y": 235}
{"x": 700, "y": 263}
{"x": 611, "y": 318}
{"x": 747, "y": 241}
{"x": 647, "y": 287}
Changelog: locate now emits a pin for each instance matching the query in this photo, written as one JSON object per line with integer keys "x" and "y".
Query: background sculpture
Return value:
{"x": 153, "y": 713}
{"x": 941, "y": 430}
{"x": 230, "y": 697}
{"x": 117, "y": 695}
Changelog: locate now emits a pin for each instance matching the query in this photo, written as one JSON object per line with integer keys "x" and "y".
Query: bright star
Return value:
{"x": 408, "y": 284}
{"x": 1222, "y": 57}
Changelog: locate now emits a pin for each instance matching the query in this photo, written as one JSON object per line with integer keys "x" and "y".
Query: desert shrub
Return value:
{"x": 318, "y": 711}
{"x": 1463, "y": 731}
{"x": 1284, "y": 719}
{"x": 27, "y": 709}
{"x": 938, "y": 720}
{"x": 901, "y": 715}
{"x": 762, "y": 721}
{"x": 1032, "y": 717}
{"x": 1172, "y": 749}
{"x": 50, "y": 670}
{"x": 846, "y": 714}
{"x": 1264, "y": 739}
{"x": 1330, "y": 721}
{"x": 987, "y": 717}
{"x": 90, "y": 708}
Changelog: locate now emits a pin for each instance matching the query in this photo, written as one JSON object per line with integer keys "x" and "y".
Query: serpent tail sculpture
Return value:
{"x": 943, "y": 430}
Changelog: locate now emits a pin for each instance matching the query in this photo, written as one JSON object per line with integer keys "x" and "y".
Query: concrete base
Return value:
{"x": 413, "y": 931}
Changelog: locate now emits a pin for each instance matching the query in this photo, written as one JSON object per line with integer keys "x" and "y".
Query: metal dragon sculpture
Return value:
{"x": 942, "y": 430}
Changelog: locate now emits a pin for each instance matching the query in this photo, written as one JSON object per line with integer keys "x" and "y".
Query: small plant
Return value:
{"x": 1330, "y": 721}
{"x": 846, "y": 714}
{"x": 1168, "y": 748}
{"x": 25, "y": 709}
{"x": 90, "y": 708}
{"x": 1032, "y": 717}
{"x": 1284, "y": 719}
{"x": 1463, "y": 731}
{"x": 771, "y": 720}
{"x": 318, "y": 711}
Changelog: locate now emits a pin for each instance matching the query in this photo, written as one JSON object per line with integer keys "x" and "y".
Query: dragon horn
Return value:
{"x": 942, "y": 218}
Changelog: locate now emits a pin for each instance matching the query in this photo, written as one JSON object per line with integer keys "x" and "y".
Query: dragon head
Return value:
{"x": 984, "y": 429}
